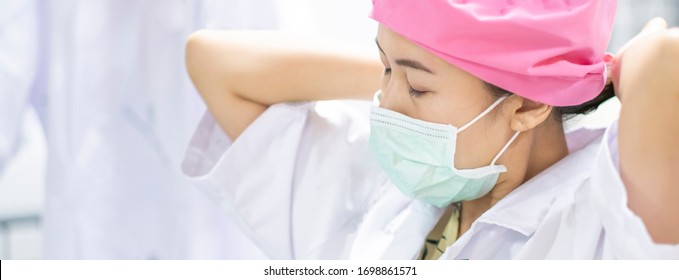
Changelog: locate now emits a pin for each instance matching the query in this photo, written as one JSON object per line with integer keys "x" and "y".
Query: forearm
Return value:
{"x": 269, "y": 67}
{"x": 649, "y": 133}
{"x": 240, "y": 73}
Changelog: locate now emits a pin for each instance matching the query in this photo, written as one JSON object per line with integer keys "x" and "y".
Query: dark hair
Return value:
{"x": 566, "y": 112}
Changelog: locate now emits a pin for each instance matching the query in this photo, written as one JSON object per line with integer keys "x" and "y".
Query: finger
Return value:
{"x": 654, "y": 25}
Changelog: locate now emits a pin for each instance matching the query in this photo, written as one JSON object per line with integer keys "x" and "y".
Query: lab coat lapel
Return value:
{"x": 394, "y": 228}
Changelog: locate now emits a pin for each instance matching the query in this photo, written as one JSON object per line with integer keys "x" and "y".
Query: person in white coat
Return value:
{"x": 107, "y": 81}
{"x": 462, "y": 154}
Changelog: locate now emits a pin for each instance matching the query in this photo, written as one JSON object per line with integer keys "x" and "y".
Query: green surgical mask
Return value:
{"x": 418, "y": 157}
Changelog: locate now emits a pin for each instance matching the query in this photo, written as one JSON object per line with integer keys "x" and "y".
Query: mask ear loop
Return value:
{"x": 492, "y": 106}
{"x": 484, "y": 113}
{"x": 505, "y": 147}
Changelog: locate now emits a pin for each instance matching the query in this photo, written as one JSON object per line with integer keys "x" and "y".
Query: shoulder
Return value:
{"x": 530, "y": 202}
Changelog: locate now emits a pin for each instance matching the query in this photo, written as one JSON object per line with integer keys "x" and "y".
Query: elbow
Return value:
{"x": 195, "y": 52}
{"x": 202, "y": 63}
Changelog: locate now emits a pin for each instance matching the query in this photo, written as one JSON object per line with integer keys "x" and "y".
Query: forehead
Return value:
{"x": 396, "y": 46}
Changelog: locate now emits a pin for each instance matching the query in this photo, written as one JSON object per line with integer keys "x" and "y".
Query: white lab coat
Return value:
{"x": 18, "y": 46}
{"x": 108, "y": 81}
{"x": 303, "y": 184}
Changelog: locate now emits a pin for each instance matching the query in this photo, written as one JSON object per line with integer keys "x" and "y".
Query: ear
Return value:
{"x": 526, "y": 114}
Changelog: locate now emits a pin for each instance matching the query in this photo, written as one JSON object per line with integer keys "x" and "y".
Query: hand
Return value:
{"x": 636, "y": 54}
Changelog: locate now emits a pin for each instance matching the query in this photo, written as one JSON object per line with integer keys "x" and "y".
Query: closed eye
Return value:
{"x": 415, "y": 93}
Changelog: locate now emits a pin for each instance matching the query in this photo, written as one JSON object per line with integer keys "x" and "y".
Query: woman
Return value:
{"x": 465, "y": 137}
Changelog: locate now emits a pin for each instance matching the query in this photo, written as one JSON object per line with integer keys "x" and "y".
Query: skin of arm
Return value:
{"x": 646, "y": 77}
{"x": 240, "y": 73}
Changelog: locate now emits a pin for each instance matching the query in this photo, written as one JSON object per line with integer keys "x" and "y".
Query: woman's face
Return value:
{"x": 421, "y": 85}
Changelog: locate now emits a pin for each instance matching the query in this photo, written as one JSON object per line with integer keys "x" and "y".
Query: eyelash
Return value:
{"x": 415, "y": 93}
{"x": 411, "y": 90}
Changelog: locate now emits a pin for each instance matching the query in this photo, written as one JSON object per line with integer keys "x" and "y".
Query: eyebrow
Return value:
{"x": 407, "y": 62}
{"x": 413, "y": 64}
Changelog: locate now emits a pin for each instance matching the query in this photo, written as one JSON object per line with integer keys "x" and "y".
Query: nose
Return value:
{"x": 390, "y": 99}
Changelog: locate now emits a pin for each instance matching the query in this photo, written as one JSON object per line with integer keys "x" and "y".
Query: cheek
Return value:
{"x": 480, "y": 143}
{"x": 473, "y": 148}
{"x": 455, "y": 107}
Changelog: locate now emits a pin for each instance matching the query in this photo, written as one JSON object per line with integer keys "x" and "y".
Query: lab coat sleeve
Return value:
{"x": 251, "y": 177}
{"x": 625, "y": 235}
{"x": 18, "y": 56}
{"x": 288, "y": 179}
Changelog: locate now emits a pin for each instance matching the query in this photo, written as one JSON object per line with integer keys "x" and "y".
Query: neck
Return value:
{"x": 529, "y": 156}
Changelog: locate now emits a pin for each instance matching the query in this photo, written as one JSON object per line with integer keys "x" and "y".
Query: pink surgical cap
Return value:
{"x": 550, "y": 51}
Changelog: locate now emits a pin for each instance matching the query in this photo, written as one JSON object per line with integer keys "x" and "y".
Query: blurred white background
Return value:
{"x": 22, "y": 189}
{"x": 21, "y": 195}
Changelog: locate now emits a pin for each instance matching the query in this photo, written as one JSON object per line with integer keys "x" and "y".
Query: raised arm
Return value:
{"x": 646, "y": 77}
{"x": 240, "y": 73}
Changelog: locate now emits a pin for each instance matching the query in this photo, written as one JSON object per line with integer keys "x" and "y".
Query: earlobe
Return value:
{"x": 528, "y": 114}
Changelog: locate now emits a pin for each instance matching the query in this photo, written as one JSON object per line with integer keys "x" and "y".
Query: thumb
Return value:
{"x": 653, "y": 26}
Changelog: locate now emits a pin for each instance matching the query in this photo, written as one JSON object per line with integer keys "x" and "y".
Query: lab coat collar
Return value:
{"x": 523, "y": 209}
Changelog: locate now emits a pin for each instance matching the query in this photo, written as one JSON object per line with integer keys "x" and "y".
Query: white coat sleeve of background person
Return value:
{"x": 299, "y": 179}
{"x": 626, "y": 236}
{"x": 18, "y": 58}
